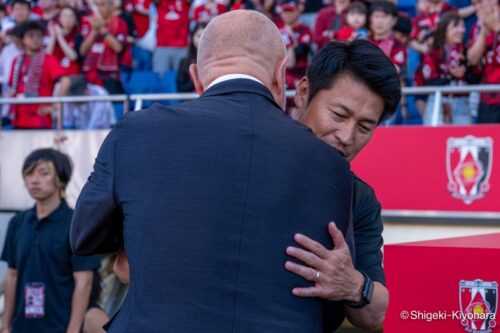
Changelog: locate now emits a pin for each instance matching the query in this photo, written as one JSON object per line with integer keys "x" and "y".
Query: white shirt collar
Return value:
{"x": 228, "y": 77}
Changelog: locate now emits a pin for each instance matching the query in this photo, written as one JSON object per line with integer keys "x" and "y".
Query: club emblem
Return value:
{"x": 478, "y": 305}
{"x": 468, "y": 164}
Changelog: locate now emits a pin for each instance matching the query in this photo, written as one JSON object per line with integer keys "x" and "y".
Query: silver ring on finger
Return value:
{"x": 316, "y": 276}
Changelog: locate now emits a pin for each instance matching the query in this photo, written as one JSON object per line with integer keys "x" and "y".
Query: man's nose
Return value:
{"x": 346, "y": 135}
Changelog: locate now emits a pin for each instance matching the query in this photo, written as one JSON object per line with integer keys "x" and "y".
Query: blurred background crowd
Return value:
{"x": 101, "y": 47}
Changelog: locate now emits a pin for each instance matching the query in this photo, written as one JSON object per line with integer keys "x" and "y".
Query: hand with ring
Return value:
{"x": 332, "y": 271}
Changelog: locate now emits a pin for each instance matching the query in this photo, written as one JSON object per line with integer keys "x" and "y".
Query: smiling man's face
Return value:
{"x": 344, "y": 116}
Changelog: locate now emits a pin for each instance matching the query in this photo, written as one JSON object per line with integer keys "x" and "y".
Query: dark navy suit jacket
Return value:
{"x": 208, "y": 195}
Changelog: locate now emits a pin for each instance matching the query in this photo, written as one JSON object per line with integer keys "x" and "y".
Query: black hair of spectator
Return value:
{"x": 78, "y": 86}
{"x": 192, "y": 51}
{"x": 61, "y": 163}
{"x": 31, "y": 26}
{"x": 16, "y": 32}
{"x": 3, "y": 8}
{"x": 362, "y": 61}
{"x": 357, "y": 7}
{"x": 75, "y": 12}
{"x": 384, "y": 6}
{"x": 248, "y": 4}
{"x": 440, "y": 34}
{"x": 403, "y": 25}
{"x": 21, "y": 2}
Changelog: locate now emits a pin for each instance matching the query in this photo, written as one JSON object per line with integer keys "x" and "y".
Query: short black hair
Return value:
{"x": 361, "y": 60}
{"x": 78, "y": 85}
{"x": 384, "y": 6}
{"x": 403, "y": 25}
{"x": 357, "y": 7}
{"x": 16, "y": 31}
{"x": 31, "y": 26}
{"x": 21, "y": 2}
{"x": 60, "y": 161}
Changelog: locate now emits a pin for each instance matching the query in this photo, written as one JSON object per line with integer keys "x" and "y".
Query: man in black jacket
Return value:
{"x": 209, "y": 193}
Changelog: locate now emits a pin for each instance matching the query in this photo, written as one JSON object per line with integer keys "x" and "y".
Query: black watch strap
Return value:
{"x": 366, "y": 294}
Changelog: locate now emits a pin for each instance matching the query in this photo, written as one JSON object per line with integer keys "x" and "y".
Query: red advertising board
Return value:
{"x": 446, "y": 285}
{"x": 447, "y": 169}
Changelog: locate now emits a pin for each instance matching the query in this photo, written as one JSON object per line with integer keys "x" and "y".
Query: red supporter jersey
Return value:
{"x": 437, "y": 67}
{"x": 207, "y": 11}
{"x": 490, "y": 63}
{"x": 173, "y": 23}
{"x": 101, "y": 60}
{"x": 426, "y": 22}
{"x": 301, "y": 38}
{"x": 345, "y": 33}
{"x": 327, "y": 23}
{"x": 394, "y": 49}
{"x": 141, "y": 21}
{"x": 26, "y": 116}
{"x": 70, "y": 67}
{"x": 238, "y": 5}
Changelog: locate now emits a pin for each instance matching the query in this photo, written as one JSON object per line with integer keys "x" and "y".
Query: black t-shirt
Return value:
{"x": 368, "y": 227}
{"x": 40, "y": 252}
{"x": 367, "y": 244}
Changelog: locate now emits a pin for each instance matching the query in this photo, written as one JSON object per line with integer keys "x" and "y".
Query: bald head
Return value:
{"x": 240, "y": 41}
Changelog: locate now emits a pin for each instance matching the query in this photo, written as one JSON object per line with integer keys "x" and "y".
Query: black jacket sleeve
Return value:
{"x": 97, "y": 223}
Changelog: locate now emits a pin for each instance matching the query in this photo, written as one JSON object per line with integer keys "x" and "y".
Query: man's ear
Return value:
{"x": 302, "y": 94}
{"x": 198, "y": 87}
{"x": 279, "y": 84}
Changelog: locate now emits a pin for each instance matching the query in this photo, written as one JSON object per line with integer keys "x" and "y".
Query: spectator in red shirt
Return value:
{"x": 172, "y": 34}
{"x": 207, "y": 10}
{"x": 48, "y": 10}
{"x": 126, "y": 61}
{"x": 446, "y": 65}
{"x": 355, "y": 23}
{"x": 34, "y": 74}
{"x": 297, "y": 38}
{"x": 65, "y": 41}
{"x": 183, "y": 79}
{"x": 484, "y": 51}
{"x": 330, "y": 19}
{"x": 20, "y": 13}
{"x": 427, "y": 20}
{"x": 383, "y": 17}
{"x": 104, "y": 40}
{"x": 139, "y": 9}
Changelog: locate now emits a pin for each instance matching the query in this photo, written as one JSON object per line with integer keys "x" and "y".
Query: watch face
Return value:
{"x": 366, "y": 294}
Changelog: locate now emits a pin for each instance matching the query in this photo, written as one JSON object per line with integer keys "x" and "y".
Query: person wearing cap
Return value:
{"x": 297, "y": 38}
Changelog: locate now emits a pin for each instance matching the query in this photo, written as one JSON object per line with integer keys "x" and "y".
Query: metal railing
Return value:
{"x": 139, "y": 99}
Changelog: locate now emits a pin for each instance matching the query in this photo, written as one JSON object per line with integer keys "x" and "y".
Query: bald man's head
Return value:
{"x": 243, "y": 42}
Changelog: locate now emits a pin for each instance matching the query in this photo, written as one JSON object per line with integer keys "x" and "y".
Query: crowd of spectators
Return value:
{"x": 99, "y": 41}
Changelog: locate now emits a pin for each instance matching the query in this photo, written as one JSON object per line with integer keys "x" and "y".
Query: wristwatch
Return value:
{"x": 366, "y": 294}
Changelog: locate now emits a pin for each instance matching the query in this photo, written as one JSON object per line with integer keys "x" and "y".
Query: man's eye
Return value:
{"x": 338, "y": 115}
{"x": 365, "y": 129}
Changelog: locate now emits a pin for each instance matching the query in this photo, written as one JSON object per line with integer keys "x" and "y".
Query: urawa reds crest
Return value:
{"x": 478, "y": 305}
{"x": 468, "y": 164}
